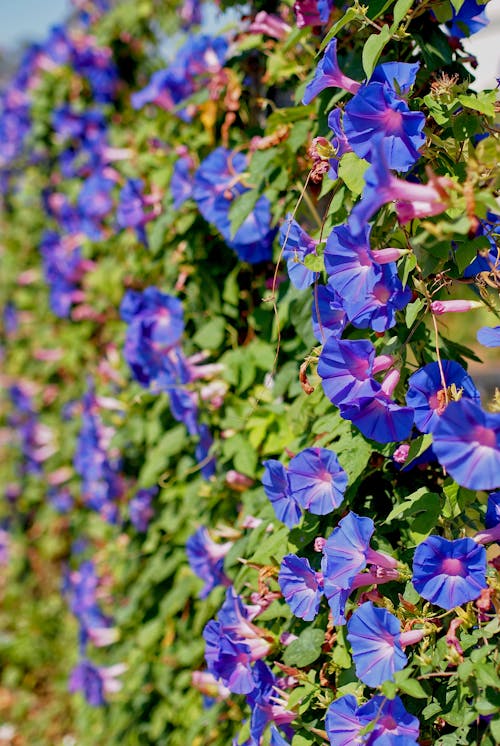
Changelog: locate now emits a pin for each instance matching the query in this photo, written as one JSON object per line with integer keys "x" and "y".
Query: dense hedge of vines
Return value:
{"x": 251, "y": 493}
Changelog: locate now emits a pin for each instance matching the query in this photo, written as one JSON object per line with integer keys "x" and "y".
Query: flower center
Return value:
{"x": 485, "y": 436}
{"x": 452, "y": 566}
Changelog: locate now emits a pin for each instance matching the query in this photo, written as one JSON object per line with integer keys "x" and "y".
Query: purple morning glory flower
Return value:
{"x": 449, "y": 573}
{"x": 377, "y": 115}
{"x": 377, "y": 309}
{"x": 86, "y": 678}
{"x": 470, "y": 19}
{"x": 398, "y": 76}
{"x": 466, "y": 441}
{"x": 156, "y": 325}
{"x": 493, "y": 510}
{"x": 181, "y": 184}
{"x": 266, "y": 705}
{"x": 374, "y": 636}
{"x": 130, "y": 212}
{"x": 489, "y": 336}
{"x": 413, "y": 200}
{"x": 317, "y": 481}
{"x": 296, "y": 245}
{"x": 301, "y": 586}
{"x": 392, "y": 723}
{"x": 228, "y": 660}
{"x": 379, "y": 417}
{"x": 206, "y": 559}
{"x": 394, "y": 726}
{"x": 328, "y": 75}
{"x": 200, "y": 57}
{"x": 349, "y": 263}
{"x": 277, "y": 489}
{"x": 345, "y": 551}
{"x": 328, "y": 315}
{"x": 345, "y": 367}
{"x": 207, "y": 463}
{"x": 342, "y": 724}
{"x": 140, "y": 509}
{"x": 216, "y": 184}
{"x": 425, "y": 391}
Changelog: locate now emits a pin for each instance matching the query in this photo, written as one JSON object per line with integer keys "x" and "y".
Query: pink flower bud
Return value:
{"x": 401, "y": 453}
{"x": 384, "y": 256}
{"x": 390, "y": 382}
{"x": 439, "y": 307}
{"x": 238, "y": 481}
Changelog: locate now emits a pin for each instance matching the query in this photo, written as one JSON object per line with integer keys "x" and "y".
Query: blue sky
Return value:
{"x": 29, "y": 19}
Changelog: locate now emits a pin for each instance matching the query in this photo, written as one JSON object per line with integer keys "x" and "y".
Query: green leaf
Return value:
{"x": 412, "y": 311}
{"x": 373, "y": 49}
{"x": 314, "y": 262}
{"x": 306, "y": 649}
{"x": 241, "y": 208}
{"x": 418, "y": 501}
{"x": 400, "y": 10}
{"x": 495, "y": 730}
{"x": 412, "y": 687}
{"x": 417, "y": 447}
{"x": 346, "y": 18}
{"x": 409, "y": 264}
{"x": 351, "y": 171}
{"x": 484, "y": 103}
{"x": 211, "y": 335}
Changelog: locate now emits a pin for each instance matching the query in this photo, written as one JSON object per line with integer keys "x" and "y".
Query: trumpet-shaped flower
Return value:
{"x": 317, "y": 481}
{"x": 374, "y": 635}
{"x": 489, "y": 336}
{"x": 427, "y": 397}
{"x": 206, "y": 559}
{"x": 328, "y": 316}
{"x": 392, "y": 724}
{"x": 296, "y": 245}
{"x": 329, "y": 75}
{"x": 302, "y": 588}
{"x": 492, "y": 518}
{"x": 376, "y": 115}
{"x": 345, "y": 367}
{"x": 277, "y": 489}
{"x": 449, "y": 573}
{"x": 466, "y": 441}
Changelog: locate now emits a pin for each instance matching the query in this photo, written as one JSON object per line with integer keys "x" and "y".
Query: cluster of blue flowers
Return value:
{"x": 154, "y": 353}
{"x": 364, "y": 292}
{"x": 99, "y": 470}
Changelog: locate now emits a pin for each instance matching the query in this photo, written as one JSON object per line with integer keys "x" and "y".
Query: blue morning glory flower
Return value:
{"x": 345, "y": 551}
{"x": 489, "y": 336}
{"x": 345, "y": 367}
{"x": 216, "y": 184}
{"x": 301, "y": 586}
{"x": 493, "y": 510}
{"x": 376, "y": 111}
{"x": 206, "y": 559}
{"x": 317, "y": 481}
{"x": 374, "y": 636}
{"x": 328, "y": 315}
{"x": 379, "y": 417}
{"x": 328, "y": 75}
{"x": 470, "y": 19}
{"x": 449, "y": 573}
{"x": 342, "y": 724}
{"x": 393, "y": 725}
{"x": 277, "y": 489}
{"x": 425, "y": 391}
{"x": 296, "y": 245}
{"x": 466, "y": 441}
